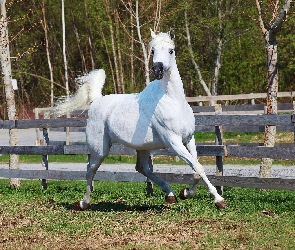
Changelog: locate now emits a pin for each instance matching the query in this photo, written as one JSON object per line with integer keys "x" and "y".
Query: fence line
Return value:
{"x": 290, "y": 94}
{"x": 281, "y": 152}
{"x": 175, "y": 178}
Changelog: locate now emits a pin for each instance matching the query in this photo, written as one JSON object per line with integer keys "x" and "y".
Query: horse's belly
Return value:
{"x": 138, "y": 137}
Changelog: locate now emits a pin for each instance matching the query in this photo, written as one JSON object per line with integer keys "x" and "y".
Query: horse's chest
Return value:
{"x": 176, "y": 117}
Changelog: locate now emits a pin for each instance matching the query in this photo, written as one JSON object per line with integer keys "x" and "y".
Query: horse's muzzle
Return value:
{"x": 158, "y": 70}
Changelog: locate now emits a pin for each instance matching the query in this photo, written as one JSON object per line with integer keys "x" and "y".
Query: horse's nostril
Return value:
{"x": 158, "y": 69}
{"x": 158, "y": 66}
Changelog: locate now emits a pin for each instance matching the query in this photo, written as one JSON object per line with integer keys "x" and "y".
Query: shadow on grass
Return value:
{"x": 107, "y": 206}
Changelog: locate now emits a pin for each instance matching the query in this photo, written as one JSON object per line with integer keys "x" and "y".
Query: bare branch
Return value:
{"x": 158, "y": 15}
{"x": 275, "y": 11}
{"x": 282, "y": 16}
{"x": 196, "y": 66}
{"x": 261, "y": 23}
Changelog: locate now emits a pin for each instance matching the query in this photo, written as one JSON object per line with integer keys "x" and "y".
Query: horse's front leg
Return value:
{"x": 191, "y": 159}
{"x": 142, "y": 166}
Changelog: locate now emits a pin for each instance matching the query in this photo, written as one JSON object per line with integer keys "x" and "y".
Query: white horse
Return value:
{"x": 158, "y": 117}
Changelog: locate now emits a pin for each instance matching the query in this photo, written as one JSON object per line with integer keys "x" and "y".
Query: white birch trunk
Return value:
{"x": 64, "y": 48}
{"x": 109, "y": 58}
{"x": 65, "y": 65}
{"x": 121, "y": 73}
{"x": 215, "y": 77}
{"x": 132, "y": 48}
{"x": 9, "y": 92}
{"x": 270, "y": 33}
{"x": 115, "y": 60}
{"x": 144, "y": 50}
{"x": 45, "y": 27}
{"x": 196, "y": 66}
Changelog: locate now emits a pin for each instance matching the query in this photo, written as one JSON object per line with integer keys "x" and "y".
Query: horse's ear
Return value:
{"x": 171, "y": 34}
{"x": 153, "y": 34}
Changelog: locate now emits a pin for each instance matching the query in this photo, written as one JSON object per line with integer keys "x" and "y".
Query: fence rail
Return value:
{"x": 237, "y": 121}
{"x": 290, "y": 94}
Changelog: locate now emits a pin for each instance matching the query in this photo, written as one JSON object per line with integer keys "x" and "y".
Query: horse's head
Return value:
{"x": 162, "y": 50}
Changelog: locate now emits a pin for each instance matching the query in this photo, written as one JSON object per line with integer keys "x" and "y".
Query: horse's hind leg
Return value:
{"x": 94, "y": 162}
{"x": 189, "y": 192}
{"x": 142, "y": 166}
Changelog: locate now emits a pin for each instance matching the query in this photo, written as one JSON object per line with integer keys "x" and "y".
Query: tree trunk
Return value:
{"x": 109, "y": 58}
{"x": 92, "y": 49}
{"x": 115, "y": 60}
{"x": 121, "y": 85}
{"x": 196, "y": 66}
{"x": 83, "y": 61}
{"x": 144, "y": 51}
{"x": 218, "y": 51}
{"x": 270, "y": 33}
{"x": 45, "y": 27}
{"x": 132, "y": 48}
{"x": 9, "y": 92}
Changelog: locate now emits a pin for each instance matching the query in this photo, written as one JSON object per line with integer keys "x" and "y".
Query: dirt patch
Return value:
{"x": 141, "y": 233}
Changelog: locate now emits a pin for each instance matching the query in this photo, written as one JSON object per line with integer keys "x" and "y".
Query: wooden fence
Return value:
{"x": 202, "y": 123}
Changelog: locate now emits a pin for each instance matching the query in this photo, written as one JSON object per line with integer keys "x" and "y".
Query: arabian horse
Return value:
{"x": 158, "y": 117}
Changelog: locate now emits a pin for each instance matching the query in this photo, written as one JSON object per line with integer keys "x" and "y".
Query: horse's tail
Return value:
{"x": 89, "y": 88}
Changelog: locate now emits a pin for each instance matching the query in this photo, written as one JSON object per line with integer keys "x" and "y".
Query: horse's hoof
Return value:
{"x": 221, "y": 204}
{"x": 83, "y": 205}
{"x": 182, "y": 194}
{"x": 171, "y": 199}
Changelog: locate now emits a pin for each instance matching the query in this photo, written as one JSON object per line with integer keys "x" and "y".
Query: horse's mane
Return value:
{"x": 161, "y": 38}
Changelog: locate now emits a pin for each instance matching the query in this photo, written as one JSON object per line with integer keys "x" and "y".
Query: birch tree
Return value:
{"x": 223, "y": 10}
{"x": 270, "y": 31}
{"x": 143, "y": 47}
{"x": 9, "y": 92}
{"x": 141, "y": 20}
{"x": 45, "y": 27}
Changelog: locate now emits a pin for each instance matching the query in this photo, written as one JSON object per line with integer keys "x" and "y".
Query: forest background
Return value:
{"x": 218, "y": 42}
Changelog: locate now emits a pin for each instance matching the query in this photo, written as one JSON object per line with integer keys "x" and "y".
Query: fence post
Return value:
{"x": 45, "y": 143}
{"x": 293, "y": 120}
{"x": 200, "y": 103}
{"x": 37, "y": 143}
{"x": 218, "y": 141}
{"x": 252, "y": 100}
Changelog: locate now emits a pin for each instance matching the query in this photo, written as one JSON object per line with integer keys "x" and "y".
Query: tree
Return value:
{"x": 7, "y": 77}
{"x": 219, "y": 33}
{"x": 270, "y": 32}
{"x": 139, "y": 16}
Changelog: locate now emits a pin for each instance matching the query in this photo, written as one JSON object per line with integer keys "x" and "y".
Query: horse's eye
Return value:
{"x": 152, "y": 52}
{"x": 171, "y": 52}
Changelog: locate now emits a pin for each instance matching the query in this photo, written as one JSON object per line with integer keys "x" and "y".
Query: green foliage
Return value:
{"x": 243, "y": 61}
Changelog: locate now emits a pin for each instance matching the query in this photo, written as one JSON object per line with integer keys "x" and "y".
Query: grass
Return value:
{"x": 122, "y": 216}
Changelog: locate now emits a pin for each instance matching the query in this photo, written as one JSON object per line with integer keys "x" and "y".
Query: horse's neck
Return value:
{"x": 173, "y": 83}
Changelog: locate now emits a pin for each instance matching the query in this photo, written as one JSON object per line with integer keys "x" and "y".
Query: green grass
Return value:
{"x": 122, "y": 216}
